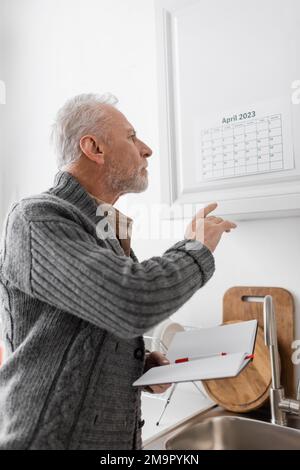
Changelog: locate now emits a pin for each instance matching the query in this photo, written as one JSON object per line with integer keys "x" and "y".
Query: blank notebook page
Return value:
{"x": 232, "y": 338}
{"x": 236, "y": 340}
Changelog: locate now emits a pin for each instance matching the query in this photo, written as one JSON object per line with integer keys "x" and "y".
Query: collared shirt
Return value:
{"x": 120, "y": 223}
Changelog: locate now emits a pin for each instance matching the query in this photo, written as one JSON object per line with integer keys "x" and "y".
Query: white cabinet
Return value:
{"x": 228, "y": 75}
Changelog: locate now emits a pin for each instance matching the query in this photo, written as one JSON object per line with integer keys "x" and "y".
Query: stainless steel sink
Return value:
{"x": 234, "y": 432}
{"x": 215, "y": 428}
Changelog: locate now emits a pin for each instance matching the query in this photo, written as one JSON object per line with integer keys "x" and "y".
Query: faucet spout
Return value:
{"x": 270, "y": 329}
{"x": 269, "y": 322}
{"x": 280, "y": 405}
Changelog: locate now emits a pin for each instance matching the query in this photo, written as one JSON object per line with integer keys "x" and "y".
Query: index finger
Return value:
{"x": 206, "y": 210}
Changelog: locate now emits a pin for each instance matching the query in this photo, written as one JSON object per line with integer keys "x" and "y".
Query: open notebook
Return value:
{"x": 208, "y": 353}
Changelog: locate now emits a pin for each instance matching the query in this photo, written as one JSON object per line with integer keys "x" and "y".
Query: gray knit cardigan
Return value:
{"x": 74, "y": 310}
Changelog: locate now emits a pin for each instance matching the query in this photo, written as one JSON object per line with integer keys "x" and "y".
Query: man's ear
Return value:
{"x": 92, "y": 149}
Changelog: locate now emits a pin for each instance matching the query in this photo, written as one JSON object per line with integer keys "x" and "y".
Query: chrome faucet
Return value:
{"x": 280, "y": 405}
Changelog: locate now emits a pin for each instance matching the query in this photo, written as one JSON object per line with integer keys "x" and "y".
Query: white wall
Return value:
{"x": 2, "y": 75}
{"x": 57, "y": 48}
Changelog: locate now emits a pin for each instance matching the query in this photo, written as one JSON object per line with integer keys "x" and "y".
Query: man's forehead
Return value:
{"x": 119, "y": 117}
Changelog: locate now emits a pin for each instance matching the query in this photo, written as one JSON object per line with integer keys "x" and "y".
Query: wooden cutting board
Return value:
{"x": 250, "y": 389}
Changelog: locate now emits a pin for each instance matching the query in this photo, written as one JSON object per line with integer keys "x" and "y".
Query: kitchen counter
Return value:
{"x": 185, "y": 403}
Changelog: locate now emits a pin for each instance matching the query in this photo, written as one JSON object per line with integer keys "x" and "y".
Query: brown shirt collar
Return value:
{"x": 121, "y": 224}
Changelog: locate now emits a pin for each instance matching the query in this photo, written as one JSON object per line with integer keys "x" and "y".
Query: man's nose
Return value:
{"x": 146, "y": 151}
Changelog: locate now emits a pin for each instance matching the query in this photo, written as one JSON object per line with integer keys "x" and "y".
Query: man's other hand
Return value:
{"x": 155, "y": 359}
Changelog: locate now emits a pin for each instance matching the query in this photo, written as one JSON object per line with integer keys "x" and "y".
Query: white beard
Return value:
{"x": 136, "y": 183}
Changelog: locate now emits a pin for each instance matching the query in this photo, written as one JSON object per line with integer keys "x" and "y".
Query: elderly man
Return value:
{"x": 75, "y": 300}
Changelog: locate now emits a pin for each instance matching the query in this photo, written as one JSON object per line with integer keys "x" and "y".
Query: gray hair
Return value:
{"x": 80, "y": 115}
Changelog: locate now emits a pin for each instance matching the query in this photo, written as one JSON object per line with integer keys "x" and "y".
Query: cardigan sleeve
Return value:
{"x": 58, "y": 262}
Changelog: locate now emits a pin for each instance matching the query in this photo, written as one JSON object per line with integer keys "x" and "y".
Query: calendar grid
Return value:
{"x": 242, "y": 148}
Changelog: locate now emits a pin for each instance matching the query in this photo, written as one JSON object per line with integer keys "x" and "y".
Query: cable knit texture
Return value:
{"x": 75, "y": 309}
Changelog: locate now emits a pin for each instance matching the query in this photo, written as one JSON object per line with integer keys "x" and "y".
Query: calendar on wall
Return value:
{"x": 246, "y": 143}
{"x": 229, "y": 126}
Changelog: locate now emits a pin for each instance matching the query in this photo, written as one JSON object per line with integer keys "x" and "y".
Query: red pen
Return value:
{"x": 187, "y": 359}
{"x": 250, "y": 356}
